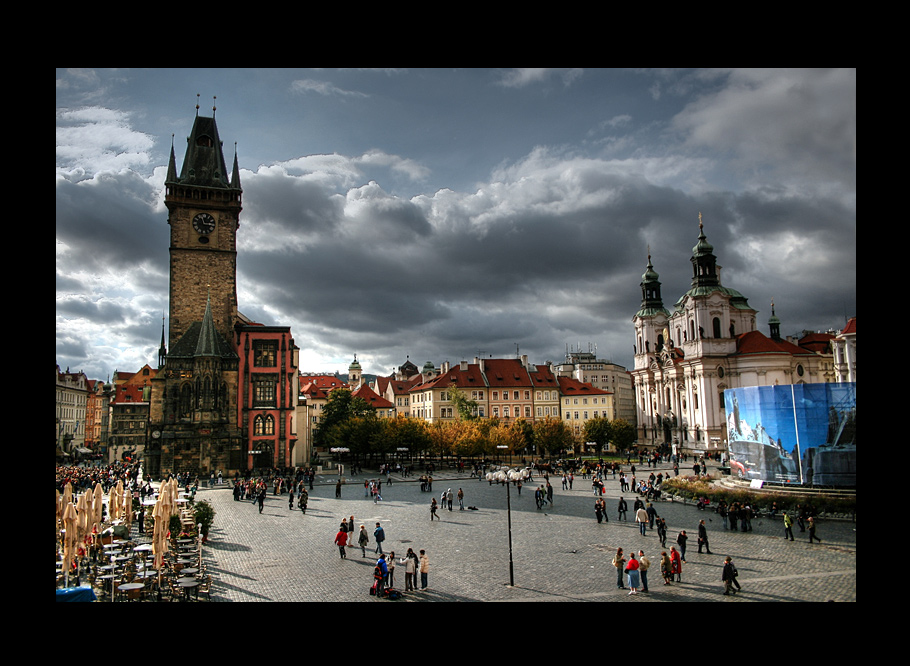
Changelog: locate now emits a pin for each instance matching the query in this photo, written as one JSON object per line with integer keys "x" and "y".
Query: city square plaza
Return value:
{"x": 558, "y": 553}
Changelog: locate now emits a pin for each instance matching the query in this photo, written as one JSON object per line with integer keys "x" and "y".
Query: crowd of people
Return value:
{"x": 384, "y": 569}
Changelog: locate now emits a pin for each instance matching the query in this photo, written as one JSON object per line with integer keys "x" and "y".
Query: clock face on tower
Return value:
{"x": 204, "y": 223}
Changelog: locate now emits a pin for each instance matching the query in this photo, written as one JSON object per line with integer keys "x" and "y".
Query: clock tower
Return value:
{"x": 204, "y": 214}
{"x": 194, "y": 415}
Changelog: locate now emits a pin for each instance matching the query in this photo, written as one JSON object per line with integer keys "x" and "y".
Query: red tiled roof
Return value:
{"x": 756, "y": 342}
{"x": 544, "y": 377}
{"x": 372, "y": 398}
{"x": 569, "y": 386}
{"x": 816, "y": 342}
{"x": 127, "y": 393}
{"x": 505, "y": 372}
{"x": 463, "y": 379}
{"x": 850, "y": 327}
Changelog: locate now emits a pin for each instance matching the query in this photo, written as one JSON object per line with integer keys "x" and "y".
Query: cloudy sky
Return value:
{"x": 440, "y": 214}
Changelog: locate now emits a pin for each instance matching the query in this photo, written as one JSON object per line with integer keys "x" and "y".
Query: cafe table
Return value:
{"x": 131, "y": 587}
{"x": 188, "y": 584}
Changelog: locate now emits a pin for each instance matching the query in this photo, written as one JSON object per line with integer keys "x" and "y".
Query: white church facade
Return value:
{"x": 686, "y": 358}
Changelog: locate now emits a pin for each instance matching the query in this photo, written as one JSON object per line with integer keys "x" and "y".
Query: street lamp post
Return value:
{"x": 506, "y": 478}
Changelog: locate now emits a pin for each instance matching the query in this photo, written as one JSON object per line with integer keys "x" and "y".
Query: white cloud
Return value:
{"x": 304, "y": 86}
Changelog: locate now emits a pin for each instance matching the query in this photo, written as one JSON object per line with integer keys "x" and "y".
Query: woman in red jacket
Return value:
{"x": 341, "y": 540}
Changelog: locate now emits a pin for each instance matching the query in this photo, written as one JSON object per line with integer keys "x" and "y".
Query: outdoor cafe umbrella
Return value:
{"x": 114, "y": 501}
{"x": 98, "y": 507}
{"x": 69, "y": 540}
{"x": 162, "y": 515}
{"x": 127, "y": 509}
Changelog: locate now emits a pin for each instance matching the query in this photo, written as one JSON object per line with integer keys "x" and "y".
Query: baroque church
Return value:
{"x": 224, "y": 398}
{"x": 687, "y": 358}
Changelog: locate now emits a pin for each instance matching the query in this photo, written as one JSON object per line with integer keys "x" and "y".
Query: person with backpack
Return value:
{"x": 380, "y": 574}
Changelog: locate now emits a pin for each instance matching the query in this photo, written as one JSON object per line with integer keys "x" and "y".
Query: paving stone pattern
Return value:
{"x": 559, "y": 553}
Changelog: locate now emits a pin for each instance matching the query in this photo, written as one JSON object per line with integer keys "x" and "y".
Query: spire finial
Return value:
{"x": 700, "y": 224}
{"x": 197, "y": 104}
{"x": 213, "y": 105}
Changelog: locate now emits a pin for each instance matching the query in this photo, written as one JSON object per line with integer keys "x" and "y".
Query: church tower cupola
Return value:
{"x": 774, "y": 325}
{"x": 651, "y": 302}
{"x": 704, "y": 263}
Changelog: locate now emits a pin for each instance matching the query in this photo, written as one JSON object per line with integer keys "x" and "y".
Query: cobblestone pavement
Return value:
{"x": 559, "y": 553}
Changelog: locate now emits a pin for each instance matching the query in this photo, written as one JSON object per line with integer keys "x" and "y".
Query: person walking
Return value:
{"x": 460, "y": 499}
{"x": 703, "y": 537}
{"x": 643, "y": 565}
{"x": 424, "y": 569}
{"x": 598, "y": 510}
{"x": 788, "y": 526}
{"x": 619, "y": 561}
{"x": 662, "y": 532}
{"x": 261, "y": 499}
{"x": 379, "y": 537}
{"x": 433, "y": 508}
{"x": 341, "y": 540}
{"x": 338, "y": 489}
{"x": 652, "y": 516}
{"x": 729, "y": 577}
{"x": 291, "y": 499}
{"x": 622, "y": 509}
{"x": 811, "y": 525}
{"x": 641, "y": 517}
{"x": 363, "y": 540}
{"x": 681, "y": 540}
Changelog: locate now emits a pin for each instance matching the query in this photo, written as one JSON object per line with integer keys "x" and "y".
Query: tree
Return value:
{"x": 623, "y": 434}
{"x": 360, "y": 434}
{"x": 404, "y": 432}
{"x": 466, "y": 409}
{"x": 552, "y": 436}
{"x": 340, "y": 406}
{"x": 598, "y": 431}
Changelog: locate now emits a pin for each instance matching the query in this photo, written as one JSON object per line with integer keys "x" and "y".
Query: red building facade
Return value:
{"x": 267, "y": 395}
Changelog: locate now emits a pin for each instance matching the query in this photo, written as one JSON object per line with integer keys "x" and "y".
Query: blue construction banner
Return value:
{"x": 801, "y": 433}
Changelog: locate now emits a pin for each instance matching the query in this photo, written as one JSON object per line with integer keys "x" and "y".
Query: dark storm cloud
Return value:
{"x": 544, "y": 250}
{"x": 110, "y": 221}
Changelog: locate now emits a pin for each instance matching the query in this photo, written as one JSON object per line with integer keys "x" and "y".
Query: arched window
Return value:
{"x": 716, "y": 323}
{"x": 264, "y": 424}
